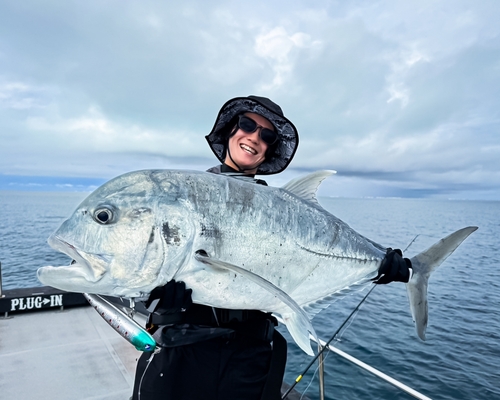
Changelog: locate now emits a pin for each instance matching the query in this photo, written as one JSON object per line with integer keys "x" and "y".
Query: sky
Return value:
{"x": 401, "y": 98}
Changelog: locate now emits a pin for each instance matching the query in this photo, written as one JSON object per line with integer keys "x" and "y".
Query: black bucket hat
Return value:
{"x": 288, "y": 135}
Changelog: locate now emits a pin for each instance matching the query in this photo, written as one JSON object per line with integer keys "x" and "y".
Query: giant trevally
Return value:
{"x": 234, "y": 243}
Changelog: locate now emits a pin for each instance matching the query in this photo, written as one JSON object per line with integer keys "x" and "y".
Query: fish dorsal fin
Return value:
{"x": 306, "y": 187}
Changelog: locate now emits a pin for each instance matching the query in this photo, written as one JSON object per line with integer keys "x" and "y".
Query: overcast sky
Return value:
{"x": 402, "y": 98}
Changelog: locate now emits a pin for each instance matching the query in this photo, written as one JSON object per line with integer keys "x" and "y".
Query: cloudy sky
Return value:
{"x": 402, "y": 98}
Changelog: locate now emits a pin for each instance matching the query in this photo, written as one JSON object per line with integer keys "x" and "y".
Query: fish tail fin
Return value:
{"x": 423, "y": 264}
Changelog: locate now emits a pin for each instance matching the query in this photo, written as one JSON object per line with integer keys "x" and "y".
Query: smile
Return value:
{"x": 248, "y": 149}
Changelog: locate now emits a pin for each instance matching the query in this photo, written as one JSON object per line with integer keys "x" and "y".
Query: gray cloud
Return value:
{"x": 401, "y": 98}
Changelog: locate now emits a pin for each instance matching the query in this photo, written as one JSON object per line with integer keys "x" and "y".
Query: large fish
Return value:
{"x": 236, "y": 244}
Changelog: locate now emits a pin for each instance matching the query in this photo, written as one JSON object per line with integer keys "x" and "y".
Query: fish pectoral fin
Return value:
{"x": 300, "y": 325}
{"x": 306, "y": 187}
{"x": 299, "y": 331}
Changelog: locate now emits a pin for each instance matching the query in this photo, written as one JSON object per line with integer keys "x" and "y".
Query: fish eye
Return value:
{"x": 103, "y": 215}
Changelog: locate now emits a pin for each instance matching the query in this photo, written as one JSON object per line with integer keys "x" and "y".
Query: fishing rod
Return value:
{"x": 325, "y": 346}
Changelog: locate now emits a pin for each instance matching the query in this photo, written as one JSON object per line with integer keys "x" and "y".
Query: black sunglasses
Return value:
{"x": 248, "y": 125}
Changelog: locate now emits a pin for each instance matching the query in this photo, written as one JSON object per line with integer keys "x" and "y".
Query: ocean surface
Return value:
{"x": 460, "y": 358}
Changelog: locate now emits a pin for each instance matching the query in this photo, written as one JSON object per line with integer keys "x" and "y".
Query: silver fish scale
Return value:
{"x": 236, "y": 244}
{"x": 293, "y": 243}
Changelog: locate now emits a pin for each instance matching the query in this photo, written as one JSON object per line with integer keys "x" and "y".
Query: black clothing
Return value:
{"x": 227, "y": 170}
{"x": 394, "y": 268}
{"x": 207, "y": 352}
{"x": 224, "y": 368}
{"x": 170, "y": 298}
{"x": 200, "y": 323}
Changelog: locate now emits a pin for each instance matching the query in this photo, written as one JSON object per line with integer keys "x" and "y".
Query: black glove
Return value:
{"x": 394, "y": 268}
{"x": 169, "y": 299}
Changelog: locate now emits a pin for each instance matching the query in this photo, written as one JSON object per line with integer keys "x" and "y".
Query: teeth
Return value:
{"x": 247, "y": 148}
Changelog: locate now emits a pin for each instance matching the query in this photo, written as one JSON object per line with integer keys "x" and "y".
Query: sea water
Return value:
{"x": 460, "y": 358}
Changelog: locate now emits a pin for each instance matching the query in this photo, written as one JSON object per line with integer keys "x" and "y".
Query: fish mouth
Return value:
{"x": 91, "y": 267}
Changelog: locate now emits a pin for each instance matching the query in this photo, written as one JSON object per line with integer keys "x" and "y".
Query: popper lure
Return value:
{"x": 122, "y": 323}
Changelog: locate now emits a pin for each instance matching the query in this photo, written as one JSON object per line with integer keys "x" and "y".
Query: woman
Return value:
{"x": 209, "y": 353}
{"x": 261, "y": 121}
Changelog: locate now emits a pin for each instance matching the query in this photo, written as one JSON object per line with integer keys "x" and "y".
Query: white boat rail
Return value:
{"x": 375, "y": 371}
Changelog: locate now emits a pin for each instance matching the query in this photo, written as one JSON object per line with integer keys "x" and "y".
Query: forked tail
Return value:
{"x": 423, "y": 265}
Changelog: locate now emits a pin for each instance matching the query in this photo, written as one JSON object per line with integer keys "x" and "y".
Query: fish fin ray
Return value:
{"x": 423, "y": 265}
{"x": 301, "y": 325}
{"x": 315, "y": 307}
{"x": 306, "y": 187}
{"x": 295, "y": 325}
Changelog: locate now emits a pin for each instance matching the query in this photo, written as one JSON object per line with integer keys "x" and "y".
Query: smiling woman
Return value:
{"x": 235, "y": 354}
{"x": 246, "y": 149}
{"x": 249, "y": 124}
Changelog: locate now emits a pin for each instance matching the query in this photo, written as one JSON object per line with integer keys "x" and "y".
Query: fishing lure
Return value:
{"x": 122, "y": 323}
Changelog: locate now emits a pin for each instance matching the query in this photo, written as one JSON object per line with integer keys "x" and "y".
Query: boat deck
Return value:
{"x": 64, "y": 354}
{"x": 51, "y": 352}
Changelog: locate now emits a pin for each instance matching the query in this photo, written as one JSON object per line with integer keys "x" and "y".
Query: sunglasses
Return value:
{"x": 248, "y": 125}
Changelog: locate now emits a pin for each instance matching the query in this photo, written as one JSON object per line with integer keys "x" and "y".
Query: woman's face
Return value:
{"x": 248, "y": 150}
